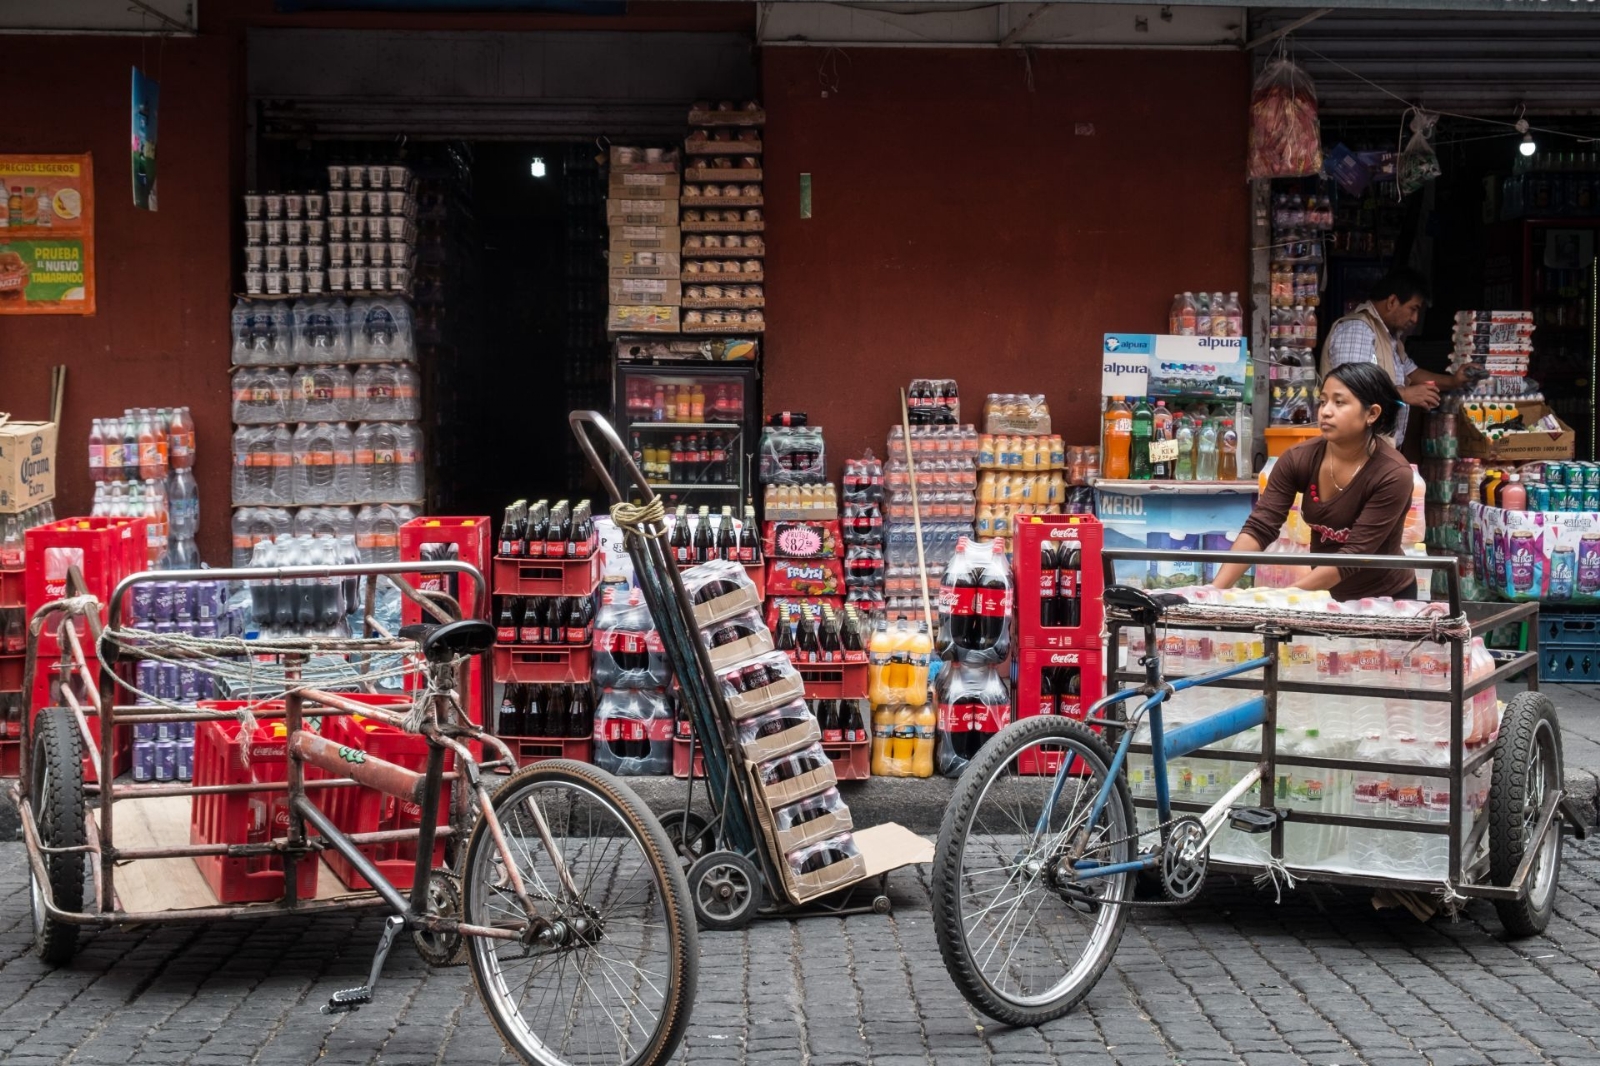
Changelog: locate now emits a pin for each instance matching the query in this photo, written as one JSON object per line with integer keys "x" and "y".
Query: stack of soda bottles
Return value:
{"x": 863, "y": 526}
{"x": 701, "y": 539}
{"x": 633, "y": 722}
{"x": 142, "y": 465}
{"x": 531, "y": 710}
{"x": 945, "y": 457}
{"x": 973, "y": 692}
{"x": 780, "y": 740}
{"x": 13, "y": 543}
{"x": 900, "y": 655}
{"x": 305, "y": 606}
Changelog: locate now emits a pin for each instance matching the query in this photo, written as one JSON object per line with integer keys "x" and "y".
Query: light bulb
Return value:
{"x": 537, "y": 168}
{"x": 1527, "y": 147}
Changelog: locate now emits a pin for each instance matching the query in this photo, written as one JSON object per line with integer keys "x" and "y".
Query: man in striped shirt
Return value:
{"x": 1372, "y": 334}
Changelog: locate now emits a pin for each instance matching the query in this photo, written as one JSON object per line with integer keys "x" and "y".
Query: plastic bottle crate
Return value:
{"x": 12, "y": 588}
{"x": 46, "y": 693}
{"x": 835, "y": 681}
{"x": 365, "y": 810}
{"x": 1578, "y": 628}
{"x": 1573, "y": 663}
{"x": 680, "y": 759}
{"x": 222, "y": 757}
{"x": 105, "y": 550}
{"x": 544, "y": 663}
{"x": 10, "y": 758}
{"x": 546, "y": 577}
{"x": 1088, "y": 535}
{"x": 1031, "y": 700}
{"x": 471, "y": 536}
{"x": 851, "y": 761}
{"x": 12, "y": 667}
{"x": 539, "y": 749}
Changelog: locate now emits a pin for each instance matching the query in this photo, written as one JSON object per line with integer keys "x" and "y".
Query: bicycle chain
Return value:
{"x": 1144, "y": 902}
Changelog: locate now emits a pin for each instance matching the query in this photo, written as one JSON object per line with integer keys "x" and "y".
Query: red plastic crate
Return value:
{"x": 365, "y": 810}
{"x": 222, "y": 757}
{"x": 546, "y": 577}
{"x": 105, "y": 549}
{"x": 1082, "y": 530}
{"x": 543, "y": 663}
{"x": 538, "y": 749}
{"x": 10, "y": 758}
{"x": 680, "y": 759}
{"x": 1031, "y": 700}
{"x": 835, "y": 681}
{"x": 851, "y": 762}
{"x": 474, "y": 544}
{"x": 12, "y": 667}
{"x": 12, "y": 584}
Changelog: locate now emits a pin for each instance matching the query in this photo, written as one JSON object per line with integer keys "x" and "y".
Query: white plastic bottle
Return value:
{"x": 1405, "y": 849}
{"x": 1370, "y": 794}
{"x": 1435, "y": 848}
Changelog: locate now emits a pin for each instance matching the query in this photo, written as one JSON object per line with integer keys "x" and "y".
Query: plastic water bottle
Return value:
{"x": 1206, "y": 465}
{"x": 1370, "y": 796}
{"x": 1404, "y": 849}
{"x": 1435, "y": 848}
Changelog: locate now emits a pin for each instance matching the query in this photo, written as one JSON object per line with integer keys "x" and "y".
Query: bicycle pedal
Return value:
{"x": 1257, "y": 819}
{"x": 348, "y": 1000}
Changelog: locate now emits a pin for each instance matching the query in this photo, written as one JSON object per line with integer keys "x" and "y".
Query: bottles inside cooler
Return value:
{"x": 975, "y": 604}
{"x": 633, "y": 732}
{"x": 528, "y": 710}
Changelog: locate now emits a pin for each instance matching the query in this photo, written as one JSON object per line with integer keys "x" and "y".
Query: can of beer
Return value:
{"x": 185, "y": 767}
{"x": 166, "y": 762}
{"x": 144, "y": 760}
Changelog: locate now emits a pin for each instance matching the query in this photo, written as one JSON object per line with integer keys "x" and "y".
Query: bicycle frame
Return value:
{"x": 1166, "y": 746}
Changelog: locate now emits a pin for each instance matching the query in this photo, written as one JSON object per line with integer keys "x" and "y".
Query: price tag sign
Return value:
{"x": 1164, "y": 451}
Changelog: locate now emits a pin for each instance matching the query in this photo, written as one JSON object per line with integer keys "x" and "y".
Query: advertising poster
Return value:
{"x": 146, "y": 112}
{"x": 1167, "y": 519}
{"x": 47, "y": 235}
{"x": 1200, "y": 368}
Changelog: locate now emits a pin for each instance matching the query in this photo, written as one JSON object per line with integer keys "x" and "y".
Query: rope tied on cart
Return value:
{"x": 1430, "y": 624}
{"x": 634, "y": 517}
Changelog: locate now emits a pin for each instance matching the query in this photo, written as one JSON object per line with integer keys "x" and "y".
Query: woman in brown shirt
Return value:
{"x": 1354, "y": 487}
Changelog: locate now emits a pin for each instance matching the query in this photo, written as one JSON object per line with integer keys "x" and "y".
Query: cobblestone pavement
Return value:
{"x": 1235, "y": 978}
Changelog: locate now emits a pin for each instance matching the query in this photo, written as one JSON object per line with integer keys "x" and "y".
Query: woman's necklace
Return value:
{"x": 1333, "y": 474}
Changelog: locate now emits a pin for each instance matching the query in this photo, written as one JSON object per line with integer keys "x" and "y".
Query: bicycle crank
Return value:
{"x": 1184, "y": 857}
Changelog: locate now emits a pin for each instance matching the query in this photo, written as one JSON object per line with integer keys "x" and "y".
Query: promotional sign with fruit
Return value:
{"x": 46, "y": 235}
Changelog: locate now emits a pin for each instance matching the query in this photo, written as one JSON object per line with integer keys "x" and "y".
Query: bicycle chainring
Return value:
{"x": 1181, "y": 878}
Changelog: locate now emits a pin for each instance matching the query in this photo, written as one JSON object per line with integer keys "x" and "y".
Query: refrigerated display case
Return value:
{"x": 692, "y": 428}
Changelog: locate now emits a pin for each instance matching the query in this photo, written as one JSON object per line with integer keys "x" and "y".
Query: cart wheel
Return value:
{"x": 57, "y": 801}
{"x": 1527, "y": 762}
{"x": 689, "y": 835}
{"x": 726, "y": 889}
{"x": 444, "y": 900}
{"x": 881, "y": 905}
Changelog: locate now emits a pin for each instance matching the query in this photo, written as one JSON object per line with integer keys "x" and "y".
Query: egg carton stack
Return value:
{"x": 1500, "y": 342}
{"x": 326, "y": 409}
{"x": 372, "y": 227}
{"x": 805, "y": 822}
{"x": 724, "y": 221}
{"x": 642, "y": 216}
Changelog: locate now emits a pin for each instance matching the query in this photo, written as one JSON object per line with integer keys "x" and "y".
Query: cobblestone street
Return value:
{"x": 1321, "y": 978}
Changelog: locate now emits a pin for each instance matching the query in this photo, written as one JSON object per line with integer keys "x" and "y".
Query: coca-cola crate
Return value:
{"x": 222, "y": 757}
{"x": 1032, "y": 698}
{"x": 10, "y": 758}
{"x": 543, "y": 663}
{"x": 473, "y": 544}
{"x": 851, "y": 761}
{"x": 105, "y": 550}
{"x": 1088, "y": 535}
{"x": 680, "y": 759}
{"x": 365, "y": 810}
{"x": 539, "y": 749}
{"x": 835, "y": 681}
{"x": 546, "y": 577}
{"x": 12, "y": 584}
{"x": 12, "y": 668}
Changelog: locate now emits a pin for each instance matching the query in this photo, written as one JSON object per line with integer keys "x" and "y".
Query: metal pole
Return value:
{"x": 916, "y": 514}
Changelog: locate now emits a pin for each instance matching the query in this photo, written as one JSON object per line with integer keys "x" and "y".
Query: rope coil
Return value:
{"x": 634, "y": 517}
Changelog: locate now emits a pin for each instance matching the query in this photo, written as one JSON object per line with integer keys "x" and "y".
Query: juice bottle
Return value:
{"x": 1117, "y": 440}
{"x": 879, "y": 648}
{"x": 903, "y": 750}
{"x": 1160, "y": 430}
{"x": 882, "y": 738}
{"x": 1227, "y": 452}
{"x": 1514, "y": 497}
{"x": 923, "y": 721}
{"x": 697, "y": 405}
{"x": 920, "y": 648}
{"x": 684, "y": 404}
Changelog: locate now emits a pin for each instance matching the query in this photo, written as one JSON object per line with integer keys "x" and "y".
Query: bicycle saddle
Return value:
{"x": 441, "y": 643}
{"x": 1137, "y": 605}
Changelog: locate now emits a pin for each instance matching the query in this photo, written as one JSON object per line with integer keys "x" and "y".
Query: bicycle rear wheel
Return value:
{"x": 1022, "y": 938}
{"x": 611, "y": 980}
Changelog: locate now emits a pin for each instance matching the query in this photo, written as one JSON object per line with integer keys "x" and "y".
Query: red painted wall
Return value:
{"x": 961, "y": 228}
{"x": 160, "y": 336}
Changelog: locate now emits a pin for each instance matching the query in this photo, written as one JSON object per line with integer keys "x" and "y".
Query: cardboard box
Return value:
{"x": 639, "y": 211}
{"x": 784, "y": 743}
{"x": 744, "y": 705}
{"x": 645, "y": 237}
{"x": 831, "y": 824}
{"x": 757, "y": 643}
{"x": 642, "y": 318}
{"x": 1473, "y": 444}
{"x": 637, "y": 186}
{"x": 783, "y": 793}
{"x": 628, "y": 160}
{"x": 27, "y": 464}
{"x": 627, "y": 263}
{"x": 742, "y": 598}
{"x": 646, "y": 291}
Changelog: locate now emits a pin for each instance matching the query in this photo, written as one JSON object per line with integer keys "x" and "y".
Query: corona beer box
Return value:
{"x": 1150, "y": 364}
{"x": 27, "y": 464}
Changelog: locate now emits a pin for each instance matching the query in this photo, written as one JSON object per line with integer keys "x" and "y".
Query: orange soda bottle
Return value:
{"x": 1118, "y": 439}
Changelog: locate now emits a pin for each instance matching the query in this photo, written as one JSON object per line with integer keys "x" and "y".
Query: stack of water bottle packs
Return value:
{"x": 779, "y": 739}
{"x": 1363, "y": 728}
{"x": 633, "y": 719}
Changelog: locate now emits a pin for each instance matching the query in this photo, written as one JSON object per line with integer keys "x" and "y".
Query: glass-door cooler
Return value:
{"x": 691, "y": 428}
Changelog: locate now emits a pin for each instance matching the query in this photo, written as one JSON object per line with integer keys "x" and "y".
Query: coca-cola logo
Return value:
{"x": 799, "y": 540}
{"x": 1064, "y": 659}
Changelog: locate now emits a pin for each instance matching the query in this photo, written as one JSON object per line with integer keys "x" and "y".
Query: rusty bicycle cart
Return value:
{"x": 736, "y": 859}
{"x": 560, "y": 875}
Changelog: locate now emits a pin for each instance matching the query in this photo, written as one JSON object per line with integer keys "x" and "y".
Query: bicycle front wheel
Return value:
{"x": 603, "y": 978}
{"x": 1023, "y": 934}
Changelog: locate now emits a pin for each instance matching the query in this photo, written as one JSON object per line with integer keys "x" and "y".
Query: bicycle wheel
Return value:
{"x": 1527, "y": 762}
{"x": 1023, "y": 940}
{"x": 58, "y": 810}
{"x": 608, "y": 978}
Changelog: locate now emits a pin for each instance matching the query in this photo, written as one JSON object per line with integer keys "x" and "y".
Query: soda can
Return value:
{"x": 1558, "y": 498}
{"x": 167, "y": 681}
{"x": 144, "y": 732}
{"x": 166, "y": 731}
{"x": 1588, "y": 563}
{"x": 185, "y": 765}
{"x": 1591, "y": 475}
{"x": 186, "y": 602}
{"x": 1591, "y": 498}
{"x": 186, "y": 731}
{"x": 1539, "y": 496}
{"x": 144, "y": 760}
{"x": 161, "y": 605}
{"x": 147, "y": 680}
{"x": 188, "y": 683}
{"x": 143, "y": 596}
{"x": 166, "y": 752}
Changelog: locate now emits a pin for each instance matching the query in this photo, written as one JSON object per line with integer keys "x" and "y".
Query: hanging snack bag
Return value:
{"x": 1285, "y": 138}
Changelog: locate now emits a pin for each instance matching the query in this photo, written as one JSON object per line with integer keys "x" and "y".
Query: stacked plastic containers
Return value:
{"x": 780, "y": 741}
{"x": 899, "y": 655}
{"x": 863, "y": 527}
{"x": 973, "y": 688}
{"x": 945, "y": 459}
{"x": 165, "y": 751}
{"x": 326, "y": 402}
{"x": 1369, "y": 728}
{"x": 633, "y": 719}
